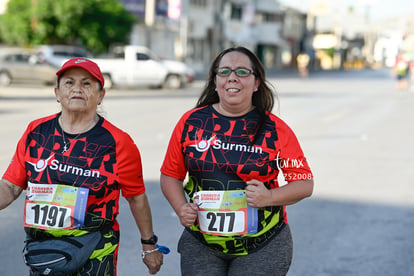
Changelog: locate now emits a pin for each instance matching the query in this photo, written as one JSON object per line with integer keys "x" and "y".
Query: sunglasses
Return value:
{"x": 239, "y": 71}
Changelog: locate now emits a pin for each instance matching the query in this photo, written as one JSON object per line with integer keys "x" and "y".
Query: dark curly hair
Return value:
{"x": 263, "y": 98}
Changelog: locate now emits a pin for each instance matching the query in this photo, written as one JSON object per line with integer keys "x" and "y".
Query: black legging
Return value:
{"x": 272, "y": 259}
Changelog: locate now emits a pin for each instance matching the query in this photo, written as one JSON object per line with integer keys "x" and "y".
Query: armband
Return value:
{"x": 163, "y": 249}
{"x": 145, "y": 253}
{"x": 152, "y": 240}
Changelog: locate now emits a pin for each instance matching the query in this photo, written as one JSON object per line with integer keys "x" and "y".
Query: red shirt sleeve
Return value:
{"x": 130, "y": 175}
{"x": 16, "y": 171}
{"x": 291, "y": 158}
{"x": 174, "y": 164}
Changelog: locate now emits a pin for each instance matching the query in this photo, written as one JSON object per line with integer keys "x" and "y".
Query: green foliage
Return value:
{"x": 15, "y": 26}
{"x": 94, "y": 24}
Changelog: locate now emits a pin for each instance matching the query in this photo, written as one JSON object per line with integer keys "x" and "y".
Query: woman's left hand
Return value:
{"x": 257, "y": 194}
{"x": 153, "y": 261}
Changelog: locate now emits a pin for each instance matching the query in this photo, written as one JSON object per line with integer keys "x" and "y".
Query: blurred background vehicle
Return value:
{"x": 24, "y": 65}
{"x": 123, "y": 66}
{"x": 133, "y": 66}
{"x": 35, "y": 65}
{"x": 56, "y": 55}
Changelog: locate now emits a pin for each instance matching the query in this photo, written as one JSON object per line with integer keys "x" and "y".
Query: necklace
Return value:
{"x": 66, "y": 144}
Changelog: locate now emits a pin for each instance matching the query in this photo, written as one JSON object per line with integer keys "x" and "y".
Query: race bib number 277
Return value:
{"x": 225, "y": 213}
{"x": 55, "y": 206}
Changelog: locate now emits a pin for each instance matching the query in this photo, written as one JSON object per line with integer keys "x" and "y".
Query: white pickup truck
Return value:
{"x": 137, "y": 66}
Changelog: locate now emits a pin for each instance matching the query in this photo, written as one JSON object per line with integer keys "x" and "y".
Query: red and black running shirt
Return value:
{"x": 222, "y": 153}
{"x": 104, "y": 159}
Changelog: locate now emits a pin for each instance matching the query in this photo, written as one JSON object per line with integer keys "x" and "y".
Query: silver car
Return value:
{"x": 38, "y": 64}
{"x": 59, "y": 54}
{"x": 23, "y": 65}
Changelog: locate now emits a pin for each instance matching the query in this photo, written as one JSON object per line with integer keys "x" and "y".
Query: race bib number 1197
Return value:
{"x": 55, "y": 206}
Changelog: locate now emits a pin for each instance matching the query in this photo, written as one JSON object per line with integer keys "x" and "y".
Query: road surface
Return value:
{"x": 355, "y": 129}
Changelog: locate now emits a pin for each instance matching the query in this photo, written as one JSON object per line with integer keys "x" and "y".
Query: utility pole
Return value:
{"x": 149, "y": 20}
{"x": 184, "y": 29}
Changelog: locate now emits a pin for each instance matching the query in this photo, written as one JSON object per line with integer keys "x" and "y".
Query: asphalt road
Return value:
{"x": 355, "y": 128}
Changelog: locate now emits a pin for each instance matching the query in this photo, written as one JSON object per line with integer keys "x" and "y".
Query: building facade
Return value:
{"x": 205, "y": 27}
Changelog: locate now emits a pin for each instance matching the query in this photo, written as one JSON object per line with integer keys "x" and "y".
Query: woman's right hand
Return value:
{"x": 188, "y": 214}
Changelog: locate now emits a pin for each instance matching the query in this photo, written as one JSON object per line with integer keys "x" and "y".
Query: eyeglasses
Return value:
{"x": 239, "y": 71}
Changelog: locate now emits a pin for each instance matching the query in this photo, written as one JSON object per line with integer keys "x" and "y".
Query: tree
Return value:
{"x": 94, "y": 24}
{"x": 15, "y": 26}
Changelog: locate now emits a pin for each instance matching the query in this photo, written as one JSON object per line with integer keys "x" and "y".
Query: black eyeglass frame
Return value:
{"x": 218, "y": 73}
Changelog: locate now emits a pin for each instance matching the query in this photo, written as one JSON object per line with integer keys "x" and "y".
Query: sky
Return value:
{"x": 376, "y": 9}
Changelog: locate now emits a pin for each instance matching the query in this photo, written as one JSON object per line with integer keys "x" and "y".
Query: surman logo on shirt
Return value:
{"x": 215, "y": 143}
{"x": 204, "y": 145}
{"x": 54, "y": 164}
{"x": 41, "y": 164}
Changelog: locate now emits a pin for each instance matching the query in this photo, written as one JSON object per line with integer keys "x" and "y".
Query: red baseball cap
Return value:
{"x": 83, "y": 63}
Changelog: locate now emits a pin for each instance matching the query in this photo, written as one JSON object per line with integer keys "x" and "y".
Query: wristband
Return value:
{"x": 145, "y": 253}
{"x": 152, "y": 240}
{"x": 163, "y": 249}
